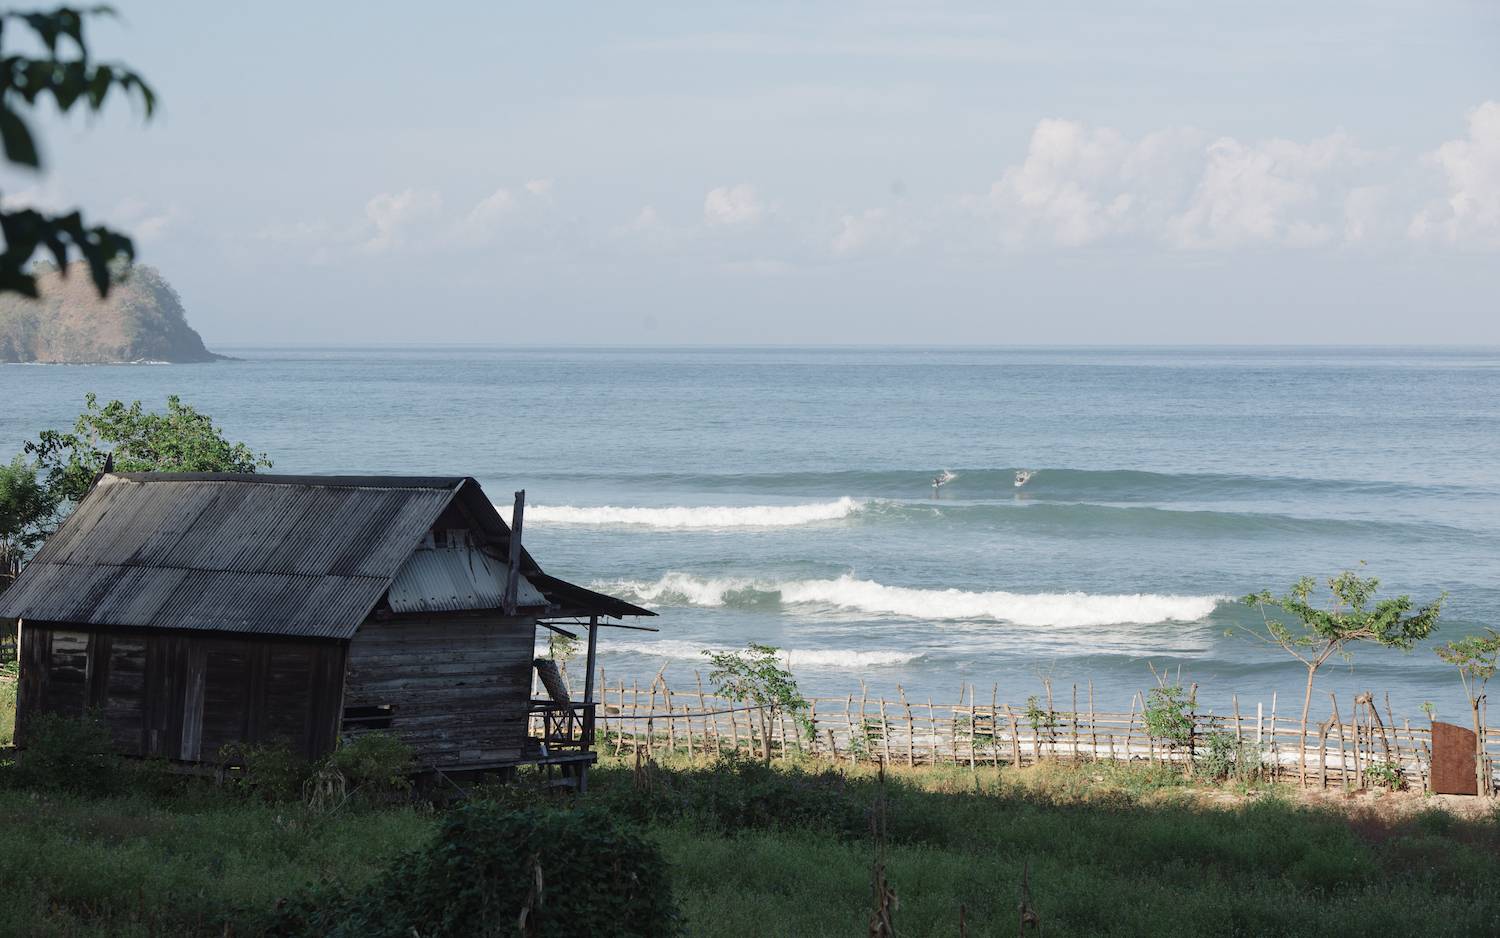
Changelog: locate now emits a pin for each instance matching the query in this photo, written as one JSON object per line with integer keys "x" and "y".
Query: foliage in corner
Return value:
{"x": 755, "y": 676}
{"x": 65, "y": 74}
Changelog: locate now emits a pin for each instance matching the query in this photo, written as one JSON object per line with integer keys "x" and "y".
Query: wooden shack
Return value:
{"x": 196, "y": 611}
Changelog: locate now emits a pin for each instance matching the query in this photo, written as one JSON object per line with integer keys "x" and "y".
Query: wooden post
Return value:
{"x": 911, "y": 730}
{"x": 995, "y": 723}
{"x": 1359, "y": 745}
{"x": 1130, "y": 732}
{"x": 1093, "y": 724}
{"x": 513, "y": 570}
{"x": 973, "y": 715}
{"x": 588, "y": 682}
{"x": 885, "y": 732}
{"x": 1238, "y": 733}
{"x": 1015, "y": 738}
{"x": 710, "y": 723}
{"x": 1323, "y": 754}
{"x": 1146, "y": 728}
{"x": 1339, "y": 724}
{"x": 1275, "y": 750}
{"x": 1075, "y": 721}
{"x": 666, "y": 697}
{"x": 849, "y": 725}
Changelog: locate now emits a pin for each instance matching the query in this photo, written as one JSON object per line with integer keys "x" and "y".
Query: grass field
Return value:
{"x": 1110, "y": 849}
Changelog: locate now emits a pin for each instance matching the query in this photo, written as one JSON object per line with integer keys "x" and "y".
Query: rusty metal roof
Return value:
{"x": 307, "y": 556}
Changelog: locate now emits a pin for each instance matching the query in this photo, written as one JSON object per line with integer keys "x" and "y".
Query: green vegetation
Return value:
{"x": 1168, "y": 714}
{"x": 755, "y": 676}
{"x": 59, "y": 467}
{"x": 1475, "y": 657}
{"x": 64, "y": 73}
{"x": 1318, "y": 633}
{"x": 751, "y": 849}
{"x": 494, "y": 870}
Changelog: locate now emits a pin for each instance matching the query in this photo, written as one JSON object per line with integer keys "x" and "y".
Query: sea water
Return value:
{"x": 784, "y": 496}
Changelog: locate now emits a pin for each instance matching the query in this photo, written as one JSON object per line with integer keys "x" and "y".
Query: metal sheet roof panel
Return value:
{"x": 291, "y": 555}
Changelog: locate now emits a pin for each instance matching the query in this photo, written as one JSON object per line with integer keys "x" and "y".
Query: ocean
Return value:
{"x": 784, "y": 495}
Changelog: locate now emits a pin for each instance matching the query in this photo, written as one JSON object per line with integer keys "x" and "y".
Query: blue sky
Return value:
{"x": 1260, "y": 172}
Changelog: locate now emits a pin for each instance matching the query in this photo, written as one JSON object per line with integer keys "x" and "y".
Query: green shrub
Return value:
{"x": 595, "y": 877}
{"x": 268, "y": 772}
{"x": 68, "y": 753}
{"x": 736, "y": 793}
{"x": 1388, "y": 775}
{"x": 1168, "y": 715}
{"x": 1041, "y": 720}
{"x": 7, "y": 712}
{"x": 1224, "y": 758}
{"x": 375, "y": 764}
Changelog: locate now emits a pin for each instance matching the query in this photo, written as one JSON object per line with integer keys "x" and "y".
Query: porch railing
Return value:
{"x": 563, "y": 726}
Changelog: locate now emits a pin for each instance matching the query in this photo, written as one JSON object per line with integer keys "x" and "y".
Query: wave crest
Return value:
{"x": 846, "y": 593}
{"x": 818, "y": 658}
{"x": 705, "y": 516}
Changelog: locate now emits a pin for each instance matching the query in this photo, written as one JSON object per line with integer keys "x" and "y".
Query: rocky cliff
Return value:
{"x": 140, "y": 320}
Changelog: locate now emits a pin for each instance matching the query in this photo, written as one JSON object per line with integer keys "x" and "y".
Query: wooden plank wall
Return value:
{"x": 185, "y": 695}
{"x": 458, "y": 686}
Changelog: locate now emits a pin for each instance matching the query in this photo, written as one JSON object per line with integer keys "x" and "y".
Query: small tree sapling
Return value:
{"x": 1316, "y": 633}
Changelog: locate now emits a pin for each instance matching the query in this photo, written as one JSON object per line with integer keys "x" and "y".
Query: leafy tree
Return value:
{"x": 756, "y": 676}
{"x": 179, "y": 440}
{"x": 25, "y": 505}
{"x": 65, "y": 73}
{"x": 1475, "y": 657}
{"x": 1317, "y": 633}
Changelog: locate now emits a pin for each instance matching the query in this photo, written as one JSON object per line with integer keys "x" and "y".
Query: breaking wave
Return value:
{"x": 706, "y": 516}
{"x": 830, "y": 658}
{"x": 846, "y": 593}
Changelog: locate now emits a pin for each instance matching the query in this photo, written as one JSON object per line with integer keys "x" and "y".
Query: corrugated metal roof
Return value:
{"x": 290, "y": 555}
{"x": 450, "y": 578}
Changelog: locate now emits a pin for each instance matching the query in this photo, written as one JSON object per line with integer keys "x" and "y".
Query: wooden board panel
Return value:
{"x": 125, "y": 693}
{"x": 67, "y": 669}
{"x": 1453, "y": 753}
{"x": 454, "y": 686}
{"x": 226, "y": 701}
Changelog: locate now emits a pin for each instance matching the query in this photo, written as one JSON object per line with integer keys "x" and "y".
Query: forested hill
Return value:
{"x": 140, "y": 320}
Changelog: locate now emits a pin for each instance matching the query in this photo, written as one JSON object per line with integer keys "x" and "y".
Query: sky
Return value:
{"x": 774, "y": 173}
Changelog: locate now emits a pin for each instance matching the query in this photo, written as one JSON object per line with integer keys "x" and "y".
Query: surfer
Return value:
{"x": 1023, "y": 476}
{"x": 942, "y": 479}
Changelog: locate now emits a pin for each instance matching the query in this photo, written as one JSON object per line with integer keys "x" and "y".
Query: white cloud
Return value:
{"x": 1364, "y": 212}
{"x": 539, "y": 187}
{"x": 1265, "y": 192}
{"x": 488, "y": 211}
{"x": 732, "y": 205}
{"x": 858, "y": 232}
{"x": 1080, "y": 185}
{"x": 393, "y": 215}
{"x": 1471, "y": 167}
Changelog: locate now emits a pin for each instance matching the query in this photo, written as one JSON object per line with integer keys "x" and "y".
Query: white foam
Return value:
{"x": 867, "y": 596}
{"x": 816, "y": 658}
{"x": 704, "y": 516}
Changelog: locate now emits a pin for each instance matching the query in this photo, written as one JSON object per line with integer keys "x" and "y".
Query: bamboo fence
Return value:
{"x": 1358, "y": 743}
